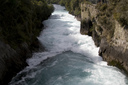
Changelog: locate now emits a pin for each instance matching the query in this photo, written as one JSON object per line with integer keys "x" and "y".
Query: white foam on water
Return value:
{"x": 62, "y": 34}
{"x": 39, "y": 57}
{"x": 104, "y": 76}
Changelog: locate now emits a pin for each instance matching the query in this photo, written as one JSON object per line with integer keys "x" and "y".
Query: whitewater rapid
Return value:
{"x": 69, "y": 59}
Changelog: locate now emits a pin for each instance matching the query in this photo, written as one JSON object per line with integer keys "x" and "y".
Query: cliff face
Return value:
{"x": 11, "y": 61}
{"x": 14, "y": 60}
{"x": 89, "y": 24}
{"x": 107, "y": 33}
{"x": 115, "y": 52}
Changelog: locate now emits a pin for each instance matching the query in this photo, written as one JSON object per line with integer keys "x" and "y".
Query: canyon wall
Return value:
{"x": 14, "y": 60}
{"x": 107, "y": 32}
{"x": 20, "y": 24}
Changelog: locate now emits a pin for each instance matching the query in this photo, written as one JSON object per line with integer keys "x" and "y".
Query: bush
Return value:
{"x": 71, "y": 5}
{"x": 21, "y": 20}
{"x": 116, "y": 9}
{"x": 77, "y": 11}
{"x": 120, "y": 12}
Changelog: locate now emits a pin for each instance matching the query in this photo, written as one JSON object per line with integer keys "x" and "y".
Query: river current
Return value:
{"x": 69, "y": 59}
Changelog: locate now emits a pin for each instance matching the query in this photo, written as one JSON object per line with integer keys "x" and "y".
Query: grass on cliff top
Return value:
{"x": 111, "y": 11}
{"x": 116, "y": 9}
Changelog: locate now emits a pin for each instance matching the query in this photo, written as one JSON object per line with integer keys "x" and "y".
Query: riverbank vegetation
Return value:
{"x": 111, "y": 11}
{"x": 73, "y": 6}
{"x": 20, "y": 20}
{"x": 116, "y": 9}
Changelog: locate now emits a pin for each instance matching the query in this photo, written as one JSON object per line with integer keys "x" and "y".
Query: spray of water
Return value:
{"x": 70, "y": 58}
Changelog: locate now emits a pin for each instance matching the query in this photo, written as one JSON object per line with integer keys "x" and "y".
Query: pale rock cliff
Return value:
{"x": 112, "y": 40}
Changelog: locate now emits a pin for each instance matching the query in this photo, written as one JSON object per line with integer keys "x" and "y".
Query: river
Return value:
{"x": 69, "y": 59}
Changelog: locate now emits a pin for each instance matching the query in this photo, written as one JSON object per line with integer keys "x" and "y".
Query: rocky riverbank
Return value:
{"x": 109, "y": 33}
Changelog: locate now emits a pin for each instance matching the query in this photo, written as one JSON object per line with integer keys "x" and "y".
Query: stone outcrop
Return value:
{"x": 88, "y": 20}
{"x": 14, "y": 60}
{"x": 111, "y": 38}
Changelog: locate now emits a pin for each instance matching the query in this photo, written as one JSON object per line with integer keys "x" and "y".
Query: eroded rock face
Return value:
{"x": 89, "y": 22}
{"x": 115, "y": 52}
{"x": 114, "y": 55}
{"x": 113, "y": 41}
{"x": 12, "y": 61}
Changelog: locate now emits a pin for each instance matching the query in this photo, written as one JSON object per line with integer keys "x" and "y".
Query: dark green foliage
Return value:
{"x": 116, "y": 9}
{"x": 102, "y": 7}
{"x": 20, "y": 20}
{"x": 73, "y": 6}
{"x": 121, "y": 12}
{"x": 111, "y": 11}
{"x": 104, "y": 18}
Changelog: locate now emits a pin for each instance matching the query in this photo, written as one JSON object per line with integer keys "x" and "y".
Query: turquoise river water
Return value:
{"x": 70, "y": 58}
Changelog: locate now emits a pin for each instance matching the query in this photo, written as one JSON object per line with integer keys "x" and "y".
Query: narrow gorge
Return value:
{"x": 79, "y": 42}
{"x": 69, "y": 57}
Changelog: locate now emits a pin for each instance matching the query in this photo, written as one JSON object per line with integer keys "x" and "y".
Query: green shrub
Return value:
{"x": 77, "y": 11}
{"x": 20, "y": 20}
{"x": 121, "y": 12}
{"x": 71, "y": 5}
{"x": 116, "y": 9}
